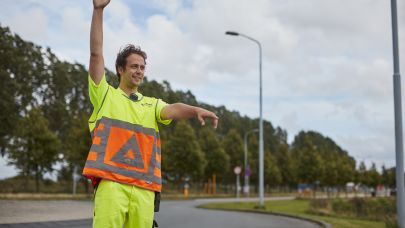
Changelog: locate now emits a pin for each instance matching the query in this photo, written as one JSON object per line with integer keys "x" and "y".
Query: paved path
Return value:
{"x": 82, "y": 223}
{"x": 174, "y": 214}
{"x": 22, "y": 211}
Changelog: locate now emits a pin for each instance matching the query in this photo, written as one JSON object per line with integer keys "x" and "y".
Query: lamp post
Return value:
{"x": 398, "y": 120}
{"x": 261, "y": 162}
{"x": 246, "y": 187}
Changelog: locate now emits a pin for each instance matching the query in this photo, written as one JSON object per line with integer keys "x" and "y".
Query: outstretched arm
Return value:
{"x": 182, "y": 111}
{"x": 96, "y": 66}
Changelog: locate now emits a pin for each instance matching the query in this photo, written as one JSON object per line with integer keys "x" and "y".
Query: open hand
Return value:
{"x": 100, "y": 4}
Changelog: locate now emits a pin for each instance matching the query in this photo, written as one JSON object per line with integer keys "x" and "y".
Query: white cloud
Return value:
{"x": 117, "y": 13}
{"x": 169, "y": 6}
{"x": 25, "y": 28}
{"x": 5, "y": 170}
{"x": 74, "y": 22}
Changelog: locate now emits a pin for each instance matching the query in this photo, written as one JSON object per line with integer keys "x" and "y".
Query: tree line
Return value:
{"x": 45, "y": 108}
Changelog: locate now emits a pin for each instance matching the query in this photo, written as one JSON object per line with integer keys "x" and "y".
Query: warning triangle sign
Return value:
{"x": 129, "y": 154}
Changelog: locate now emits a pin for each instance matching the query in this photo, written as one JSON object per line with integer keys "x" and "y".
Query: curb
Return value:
{"x": 318, "y": 222}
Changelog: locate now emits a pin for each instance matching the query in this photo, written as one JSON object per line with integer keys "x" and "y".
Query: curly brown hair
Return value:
{"x": 123, "y": 54}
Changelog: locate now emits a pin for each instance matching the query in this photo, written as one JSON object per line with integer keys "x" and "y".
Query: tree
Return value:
{"x": 233, "y": 146}
{"x": 374, "y": 176}
{"x": 346, "y": 168}
{"x": 307, "y": 157}
{"x": 333, "y": 164}
{"x": 22, "y": 72}
{"x": 272, "y": 172}
{"x": 388, "y": 177}
{"x": 76, "y": 147}
{"x": 253, "y": 158}
{"x": 182, "y": 155}
{"x": 286, "y": 166}
{"x": 35, "y": 148}
{"x": 362, "y": 178}
{"x": 217, "y": 159}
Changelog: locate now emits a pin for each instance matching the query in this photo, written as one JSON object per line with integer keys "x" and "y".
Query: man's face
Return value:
{"x": 134, "y": 71}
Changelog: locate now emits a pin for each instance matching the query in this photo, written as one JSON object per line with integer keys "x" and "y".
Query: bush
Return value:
{"x": 391, "y": 222}
{"x": 342, "y": 207}
{"x": 382, "y": 209}
{"x": 319, "y": 203}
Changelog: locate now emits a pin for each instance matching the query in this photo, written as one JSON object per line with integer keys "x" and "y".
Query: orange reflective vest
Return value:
{"x": 126, "y": 153}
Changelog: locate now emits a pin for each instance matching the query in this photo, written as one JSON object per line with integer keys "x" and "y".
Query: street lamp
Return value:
{"x": 246, "y": 187}
{"x": 398, "y": 120}
{"x": 261, "y": 163}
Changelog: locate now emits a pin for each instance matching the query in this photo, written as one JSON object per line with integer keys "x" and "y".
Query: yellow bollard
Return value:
{"x": 186, "y": 187}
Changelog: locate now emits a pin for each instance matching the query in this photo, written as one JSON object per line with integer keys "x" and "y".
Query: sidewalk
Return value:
{"x": 22, "y": 211}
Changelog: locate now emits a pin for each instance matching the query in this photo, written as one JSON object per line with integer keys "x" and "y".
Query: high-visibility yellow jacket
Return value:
{"x": 125, "y": 137}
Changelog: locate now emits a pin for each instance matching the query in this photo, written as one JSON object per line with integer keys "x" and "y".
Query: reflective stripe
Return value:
{"x": 126, "y": 149}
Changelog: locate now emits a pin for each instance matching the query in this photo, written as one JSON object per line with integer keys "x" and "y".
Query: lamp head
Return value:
{"x": 231, "y": 33}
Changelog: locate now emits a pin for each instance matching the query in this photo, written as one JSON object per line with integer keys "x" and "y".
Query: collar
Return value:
{"x": 139, "y": 95}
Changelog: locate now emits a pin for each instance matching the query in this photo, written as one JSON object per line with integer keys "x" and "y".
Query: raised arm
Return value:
{"x": 96, "y": 66}
{"x": 182, "y": 111}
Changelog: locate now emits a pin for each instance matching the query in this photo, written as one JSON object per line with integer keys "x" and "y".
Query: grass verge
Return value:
{"x": 296, "y": 208}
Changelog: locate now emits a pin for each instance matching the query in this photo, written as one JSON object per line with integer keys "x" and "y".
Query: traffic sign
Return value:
{"x": 237, "y": 170}
{"x": 248, "y": 172}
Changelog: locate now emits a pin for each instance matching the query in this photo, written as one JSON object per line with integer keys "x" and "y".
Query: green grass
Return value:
{"x": 300, "y": 208}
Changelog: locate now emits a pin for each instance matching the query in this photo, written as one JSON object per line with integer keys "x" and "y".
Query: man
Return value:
{"x": 124, "y": 159}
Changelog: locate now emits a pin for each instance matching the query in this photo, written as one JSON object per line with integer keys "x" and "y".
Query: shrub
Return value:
{"x": 343, "y": 207}
{"x": 319, "y": 203}
{"x": 391, "y": 222}
{"x": 382, "y": 209}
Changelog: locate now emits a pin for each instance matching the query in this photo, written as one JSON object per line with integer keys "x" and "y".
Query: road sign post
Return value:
{"x": 246, "y": 188}
{"x": 237, "y": 170}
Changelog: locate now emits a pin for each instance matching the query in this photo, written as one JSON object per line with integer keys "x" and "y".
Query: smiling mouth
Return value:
{"x": 137, "y": 78}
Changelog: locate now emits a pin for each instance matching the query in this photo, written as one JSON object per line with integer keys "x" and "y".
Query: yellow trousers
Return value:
{"x": 119, "y": 205}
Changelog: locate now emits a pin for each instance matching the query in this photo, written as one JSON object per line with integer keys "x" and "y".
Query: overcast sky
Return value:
{"x": 327, "y": 65}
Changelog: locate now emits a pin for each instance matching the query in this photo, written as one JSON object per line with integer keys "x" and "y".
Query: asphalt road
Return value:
{"x": 182, "y": 214}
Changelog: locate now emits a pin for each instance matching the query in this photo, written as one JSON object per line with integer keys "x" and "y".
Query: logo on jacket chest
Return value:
{"x": 146, "y": 104}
